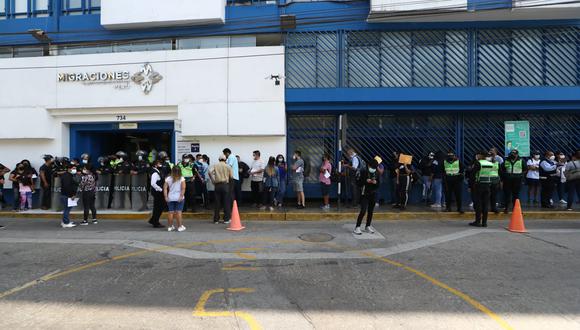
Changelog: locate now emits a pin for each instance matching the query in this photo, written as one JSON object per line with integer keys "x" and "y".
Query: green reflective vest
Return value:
{"x": 516, "y": 168}
{"x": 489, "y": 172}
{"x": 452, "y": 169}
{"x": 115, "y": 163}
{"x": 186, "y": 171}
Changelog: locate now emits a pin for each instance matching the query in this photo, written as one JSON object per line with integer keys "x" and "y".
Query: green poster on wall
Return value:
{"x": 517, "y": 136}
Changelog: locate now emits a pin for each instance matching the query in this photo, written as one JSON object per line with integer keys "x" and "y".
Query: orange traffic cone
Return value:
{"x": 517, "y": 221}
{"x": 236, "y": 223}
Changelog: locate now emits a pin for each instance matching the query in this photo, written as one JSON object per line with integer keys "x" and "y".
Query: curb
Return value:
{"x": 314, "y": 216}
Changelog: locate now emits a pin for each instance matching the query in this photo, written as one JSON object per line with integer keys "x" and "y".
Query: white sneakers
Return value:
{"x": 357, "y": 231}
{"x": 563, "y": 201}
{"x": 180, "y": 229}
{"x": 436, "y": 206}
{"x": 68, "y": 225}
{"x": 370, "y": 230}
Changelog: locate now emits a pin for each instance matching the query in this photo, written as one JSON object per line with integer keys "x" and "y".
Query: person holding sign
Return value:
{"x": 403, "y": 180}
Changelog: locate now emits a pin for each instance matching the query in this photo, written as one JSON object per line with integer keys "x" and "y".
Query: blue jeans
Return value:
{"x": 281, "y": 192}
{"x": 438, "y": 190}
{"x": 65, "y": 210}
{"x": 427, "y": 187}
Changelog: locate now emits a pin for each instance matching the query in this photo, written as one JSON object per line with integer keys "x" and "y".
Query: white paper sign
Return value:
{"x": 72, "y": 202}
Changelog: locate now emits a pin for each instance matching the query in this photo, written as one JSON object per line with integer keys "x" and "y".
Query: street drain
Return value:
{"x": 316, "y": 237}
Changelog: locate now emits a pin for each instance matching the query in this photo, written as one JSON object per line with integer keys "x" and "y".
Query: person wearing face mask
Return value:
{"x": 15, "y": 177}
{"x": 46, "y": 177}
{"x": 189, "y": 173}
{"x": 88, "y": 189}
{"x": 3, "y": 171}
{"x": 139, "y": 183}
{"x": 425, "y": 167}
{"x": 548, "y": 177}
{"x": 496, "y": 184}
{"x": 166, "y": 164}
{"x": 159, "y": 203}
{"x": 561, "y": 177}
{"x": 69, "y": 188}
{"x": 572, "y": 173}
{"x": 533, "y": 177}
{"x": 85, "y": 159}
{"x": 404, "y": 172}
{"x": 283, "y": 170}
{"x": 512, "y": 171}
{"x": 236, "y": 183}
{"x": 484, "y": 172}
{"x": 368, "y": 181}
{"x": 454, "y": 172}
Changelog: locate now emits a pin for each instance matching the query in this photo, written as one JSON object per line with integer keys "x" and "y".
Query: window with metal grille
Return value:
{"x": 80, "y": 7}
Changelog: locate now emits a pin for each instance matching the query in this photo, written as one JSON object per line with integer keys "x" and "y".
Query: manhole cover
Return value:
{"x": 316, "y": 237}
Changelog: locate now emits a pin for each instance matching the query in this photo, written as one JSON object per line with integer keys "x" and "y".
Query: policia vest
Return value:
{"x": 452, "y": 169}
{"x": 489, "y": 172}
{"x": 514, "y": 169}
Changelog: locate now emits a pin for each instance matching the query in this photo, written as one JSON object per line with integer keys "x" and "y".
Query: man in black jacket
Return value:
{"x": 368, "y": 182}
{"x": 69, "y": 189}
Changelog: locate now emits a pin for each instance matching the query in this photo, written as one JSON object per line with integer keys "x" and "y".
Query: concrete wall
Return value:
{"x": 122, "y": 14}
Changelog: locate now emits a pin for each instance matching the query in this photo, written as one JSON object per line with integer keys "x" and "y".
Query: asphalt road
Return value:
{"x": 290, "y": 275}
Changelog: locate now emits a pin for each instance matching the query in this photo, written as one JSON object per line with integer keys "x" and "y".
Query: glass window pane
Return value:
{"x": 206, "y": 42}
{"x": 41, "y": 4}
{"x": 2, "y": 6}
{"x": 28, "y": 51}
{"x": 75, "y": 50}
{"x": 95, "y": 3}
{"x": 20, "y": 6}
{"x": 143, "y": 46}
{"x": 75, "y": 4}
{"x": 243, "y": 41}
{"x": 5, "y": 52}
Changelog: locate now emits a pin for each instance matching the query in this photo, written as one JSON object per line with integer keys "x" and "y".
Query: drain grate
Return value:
{"x": 316, "y": 237}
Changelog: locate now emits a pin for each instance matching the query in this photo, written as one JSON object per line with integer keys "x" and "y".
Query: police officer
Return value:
{"x": 141, "y": 166}
{"x": 512, "y": 172}
{"x": 495, "y": 185}
{"x": 485, "y": 173}
{"x": 548, "y": 179}
{"x": 190, "y": 173}
{"x": 166, "y": 164}
{"x": 454, "y": 173}
{"x": 104, "y": 166}
{"x": 122, "y": 165}
{"x": 157, "y": 180}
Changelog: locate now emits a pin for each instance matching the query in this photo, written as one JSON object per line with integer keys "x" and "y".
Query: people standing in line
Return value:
{"x": 174, "y": 193}
{"x": 495, "y": 185}
{"x": 14, "y": 177}
{"x": 283, "y": 170}
{"x": 88, "y": 189}
{"x": 512, "y": 171}
{"x": 257, "y": 178}
{"x": 46, "y": 172}
{"x": 201, "y": 181}
{"x": 572, "y": 173}
{"x": 159, "y": 202}
{"x": 561, "y": 177}
{"x": 425, "y": 167}
{"x": 298, "y": 179}
{"x": 271, "y": 184}
{"x": 368, "y": 181}
{"x": 222, "y": 175}
{"x": 236, "y": 183}
{"x": 548, "y": 179}
{"x": 454, "y": 175}
{"x": 404, "y": 172}
{"x": 484, "y": 172}
{"x": 244, "y": 173}
{"x": 325, "y": 182}
{"x": 533, "y": 177}
{"x": 189, "y": 174}
{"x": 354, "y": 166}
{"x": 381, "y": 173}
{"x": 3, "y": 171}
{"x": 438, "y": 172}
{"x": 69, "y": 189}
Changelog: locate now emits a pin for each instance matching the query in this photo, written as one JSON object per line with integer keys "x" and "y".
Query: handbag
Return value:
{"x": 574, "y": 174}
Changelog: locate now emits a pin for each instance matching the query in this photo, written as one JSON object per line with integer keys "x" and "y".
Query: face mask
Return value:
{"x": 431, "y": 157}
{"x": 140, "y": 158}
{"x": 489, "y": 159}
{"x": 73, "y": 171}
{"x": 536, "y": 157}
{"x": 120, "y": 160}
{"x": 280, "y": 159}
{"x": 294, "y": 157}
{"x": 85, "y": 161}
{"x": 552, "y": 157}
{"x": 372, "y": 170}
{"x": 562, "y": 156}
{"x": 186, "y": 161}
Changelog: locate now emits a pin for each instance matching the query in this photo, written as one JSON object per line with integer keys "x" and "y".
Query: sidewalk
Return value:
{"x": 385, "y": 212}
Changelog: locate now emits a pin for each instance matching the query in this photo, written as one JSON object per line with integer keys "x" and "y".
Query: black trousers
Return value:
{"x": 573, "y": 191}
{"x": 158, "y": 207}
{"x": 237, "y": 191}
{"x": 222, "y": 200}
{"x": 403, "y": 190}
{"x": 190, "y": 196}
{"x": 453, "y": 186}
{"x": 46, "y": 197}
{"x": 548, "y": 186}
{"x": 367, "y": 206}
{"x": 494, "y": 188}
{"x": 354, "y": 189}
{"x": 89, "y": 204}
{"x": 481, "y": 202}
{"x": 511, "y": 190}
{"x": 257, "y": 189}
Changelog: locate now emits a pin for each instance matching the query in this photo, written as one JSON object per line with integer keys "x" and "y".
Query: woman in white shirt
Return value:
{"x": 533, "y": 177}
{"x": 174, "y": 192}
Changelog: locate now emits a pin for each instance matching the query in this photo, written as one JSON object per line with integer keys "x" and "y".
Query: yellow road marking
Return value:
{"x": 200, "y": 311}
{"x": 238, "y": 266}
{"x": 477, "y": 305}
